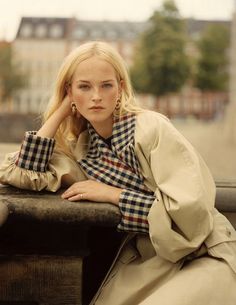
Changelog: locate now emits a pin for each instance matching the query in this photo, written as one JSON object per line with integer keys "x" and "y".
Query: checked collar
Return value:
{"x": 115, "y": 165}
{"x": 122, "y": 134}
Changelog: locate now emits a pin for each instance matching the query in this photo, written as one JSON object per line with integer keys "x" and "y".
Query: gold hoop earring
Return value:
{"x": 73, "y": 109}
{"x": 117, "y": 108}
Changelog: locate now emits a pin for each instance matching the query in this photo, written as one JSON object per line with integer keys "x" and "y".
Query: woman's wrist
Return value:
{"x": 115, "y": 195}
{"x": 50, "y": 127}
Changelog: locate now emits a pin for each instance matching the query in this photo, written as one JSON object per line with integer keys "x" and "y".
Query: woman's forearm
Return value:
{"x": 49, "y": 129}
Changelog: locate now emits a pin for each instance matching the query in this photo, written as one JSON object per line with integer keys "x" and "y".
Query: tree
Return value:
{"x": 160, "y": 63}
{"x": 11, "y": 79}
{"x": 212, "y": 67}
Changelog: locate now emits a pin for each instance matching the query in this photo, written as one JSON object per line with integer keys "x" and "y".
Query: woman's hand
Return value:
{"x": 65, "y": 108}
{"x": 93, "y": 191}
{"x": 50, "y": 127}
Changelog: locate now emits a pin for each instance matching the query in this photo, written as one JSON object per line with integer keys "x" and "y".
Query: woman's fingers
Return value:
{"x": 78, "y": 197}
{"x": 74, "y": 192}
{"x": 73, "y": 195}
{"x": 93, "y": 191}
{"x": 76, "y": 188}
{"x": 70, "y": 192}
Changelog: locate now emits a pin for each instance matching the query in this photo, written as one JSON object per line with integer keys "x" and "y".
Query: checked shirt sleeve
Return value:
{"x": 35, "y": 152}
{"x": 134, "y": 208}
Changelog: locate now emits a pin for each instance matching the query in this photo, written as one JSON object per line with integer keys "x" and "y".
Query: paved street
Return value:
{"x": 216, "y": 148}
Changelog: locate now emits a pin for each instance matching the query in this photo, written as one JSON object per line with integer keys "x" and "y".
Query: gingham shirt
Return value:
{"x": 118, "y": 166}
{"x": 115, "y": 164}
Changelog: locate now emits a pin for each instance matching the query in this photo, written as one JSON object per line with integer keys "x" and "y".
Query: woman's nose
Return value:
{"x": 96, "y": 97}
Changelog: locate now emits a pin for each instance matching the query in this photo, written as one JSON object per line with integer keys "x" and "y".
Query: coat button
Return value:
{"x": 228, "y": 232}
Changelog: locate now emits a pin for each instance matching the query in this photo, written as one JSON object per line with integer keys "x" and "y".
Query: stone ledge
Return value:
{"x": 46, "y": 206}
{"x": 226, "y": 199}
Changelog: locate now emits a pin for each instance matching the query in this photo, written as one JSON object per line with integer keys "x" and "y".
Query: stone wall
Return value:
{"x": 13, "y": 126}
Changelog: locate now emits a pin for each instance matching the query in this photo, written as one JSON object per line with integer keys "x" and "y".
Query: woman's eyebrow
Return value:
{"x": 109, "y": 80}
{"x": 86, "y": 81}
{"x": 83, "y": 81}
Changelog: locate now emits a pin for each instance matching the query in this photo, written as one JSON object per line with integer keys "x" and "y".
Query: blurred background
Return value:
{"x": 181, "y": 56}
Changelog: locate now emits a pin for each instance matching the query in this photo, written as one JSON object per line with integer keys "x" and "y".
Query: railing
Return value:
{"x": 201, "y": 105}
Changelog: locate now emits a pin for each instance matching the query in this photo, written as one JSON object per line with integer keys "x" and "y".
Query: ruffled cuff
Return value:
{"x": 35, "y": 152}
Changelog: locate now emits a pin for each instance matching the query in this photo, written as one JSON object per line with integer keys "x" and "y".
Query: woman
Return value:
{"x": 99, "y": 144}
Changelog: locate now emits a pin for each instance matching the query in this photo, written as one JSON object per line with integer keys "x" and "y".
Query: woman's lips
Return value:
{"x": 96, "y": 108}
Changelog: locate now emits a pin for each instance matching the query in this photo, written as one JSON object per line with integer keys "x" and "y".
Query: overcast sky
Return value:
{"x": 11, "y": 11}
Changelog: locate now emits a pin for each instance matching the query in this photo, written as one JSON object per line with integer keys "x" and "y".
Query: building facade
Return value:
{"x": 41, "y": 44}
{"x": 39, "y": 47}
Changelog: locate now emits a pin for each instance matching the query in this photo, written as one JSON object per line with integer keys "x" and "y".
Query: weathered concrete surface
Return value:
{"x": 45, "y": 206}
{"x": 226, "y": 197}
{"x": 3, "y": 213}
{"x": 40, "y": 280}
{"x": 50, "y": 247}
{"x": 226, "y": 200}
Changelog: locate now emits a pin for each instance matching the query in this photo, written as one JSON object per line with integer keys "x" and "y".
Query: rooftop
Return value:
{"x": 75, "y": 29}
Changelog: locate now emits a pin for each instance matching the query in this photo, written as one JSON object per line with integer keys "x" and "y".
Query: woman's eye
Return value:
{"x": 108, "y": 85}
{"x": 84, "y": 87}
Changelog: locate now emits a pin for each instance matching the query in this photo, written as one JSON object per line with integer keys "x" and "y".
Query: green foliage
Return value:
{"x": 160, "y": 63}
{"x": 212, "y": 68}
{"x": 11, "y": 79}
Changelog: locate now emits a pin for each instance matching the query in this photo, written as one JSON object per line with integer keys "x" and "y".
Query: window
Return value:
{"x": 26, "y": 31}
{"x": 41, "y": 31}
{"x": 95, "y": 34}
{"x": 111, "y": 34}
{"x": 56, "y": 31}
{"x": 80, "y": 33}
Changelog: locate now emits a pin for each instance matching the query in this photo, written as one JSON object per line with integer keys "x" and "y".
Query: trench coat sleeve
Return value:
{"x": 180, "y": 218}
{"x": 61, "y": 171}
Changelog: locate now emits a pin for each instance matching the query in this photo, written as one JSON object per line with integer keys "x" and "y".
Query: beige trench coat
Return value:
{"x": 189, "y": 256}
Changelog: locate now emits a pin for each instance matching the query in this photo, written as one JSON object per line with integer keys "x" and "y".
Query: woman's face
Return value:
{"x": 95, "y": 90}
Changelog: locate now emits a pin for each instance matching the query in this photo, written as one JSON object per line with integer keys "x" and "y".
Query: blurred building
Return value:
{"x": 3, "y": 46}
{"x": 42, "y": 43}
{"x": 194, "y": 30}
{"x": 39, "y": 47}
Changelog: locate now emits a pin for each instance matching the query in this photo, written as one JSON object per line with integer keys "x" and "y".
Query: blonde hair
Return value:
{"x": 68, "y": 129}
